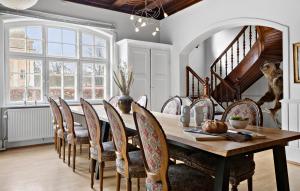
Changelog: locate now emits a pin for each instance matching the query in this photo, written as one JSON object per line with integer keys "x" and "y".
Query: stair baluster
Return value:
{"x": 226, "y": 65}
{"x": 237, "y": 52}
{"x": 193, "y": 86}
{"x": 231, "y": 58}
{"x": 244, "y": 44}
{"x": 250, "y": 37}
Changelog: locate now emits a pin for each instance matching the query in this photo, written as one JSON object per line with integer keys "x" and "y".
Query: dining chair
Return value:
{"x": 161, "y": 176}
{"x": 54, "y": 123}
{"x": 114, "y": 101}
{"x": 242, "y": 167}
{"x": 74, "y": 135}
{"x": 129, "y": 163}
{"x": 61, "y": 134}
{"x": 204, "y": 102}
{"x": 100, "y": 151}
{"x": 143, "y": 101}
{"x": 186, "y": 101}
{"x": 172, "y": 106}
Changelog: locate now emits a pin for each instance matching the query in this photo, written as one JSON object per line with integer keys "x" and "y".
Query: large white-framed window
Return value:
{"x": 50, "y": 59}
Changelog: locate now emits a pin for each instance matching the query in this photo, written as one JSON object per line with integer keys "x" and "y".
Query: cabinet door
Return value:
{"x": 139, "y": 59}
{"x": 160, "y": 78}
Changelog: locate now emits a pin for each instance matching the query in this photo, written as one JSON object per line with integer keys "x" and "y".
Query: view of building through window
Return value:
{"x": 51, "y": 61}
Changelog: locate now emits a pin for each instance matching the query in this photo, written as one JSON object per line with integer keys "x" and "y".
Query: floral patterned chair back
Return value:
{"x": 118, "y": 131}
{"x": 56, "y": 113}
{"x": 67, "y": 113}
{"x": 246, "y": 108}
{"x": 207, "y": 104}
{"x": 143, "y": 100}
{"x": 93, "y": 124}
{"x": 172, "y": 106}
{"x": 154, "y": 148}
{"x": 114, "y": 101}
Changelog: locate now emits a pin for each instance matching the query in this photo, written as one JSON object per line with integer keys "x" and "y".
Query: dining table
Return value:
{"x": 224, "y": 151}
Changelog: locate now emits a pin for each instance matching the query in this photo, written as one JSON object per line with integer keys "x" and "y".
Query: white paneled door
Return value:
{"x": 160, "y": 78}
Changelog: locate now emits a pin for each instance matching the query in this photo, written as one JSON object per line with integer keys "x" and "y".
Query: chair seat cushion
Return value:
{"x": 136, "y": 165}
{"x": 108, "y": 153}
{"x": 241, "y": 167}
{"x": 179, "y": 153}
{"x": 82, "y": 133}
{"x": 131, "y": 132}
{"x": 182, "y": 177}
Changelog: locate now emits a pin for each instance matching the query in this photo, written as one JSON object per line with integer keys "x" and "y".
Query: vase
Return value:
{"x": 124, "y": 103}
{"x": 185, "y": 115}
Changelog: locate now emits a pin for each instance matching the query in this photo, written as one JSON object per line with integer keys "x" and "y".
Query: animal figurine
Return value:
{"x": 273, "y": 73}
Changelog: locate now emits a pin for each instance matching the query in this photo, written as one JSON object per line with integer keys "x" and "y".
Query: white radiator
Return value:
{"x": 28, "y": 124}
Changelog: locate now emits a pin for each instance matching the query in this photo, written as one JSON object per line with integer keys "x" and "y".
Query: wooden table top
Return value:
{"x": 174, "y": 132}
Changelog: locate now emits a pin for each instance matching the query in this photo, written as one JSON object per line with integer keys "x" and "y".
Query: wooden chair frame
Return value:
{"x": 169, "y": 100}
{"x": 140, "y": 98}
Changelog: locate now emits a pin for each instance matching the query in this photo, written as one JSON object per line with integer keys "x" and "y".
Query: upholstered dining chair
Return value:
{"x": 54, "y": 123}
{"x": 172, "y": 106}
{"x": 186, "y": 101}
{"x": 100, "y": 152}
{"x": 161, "y": 176}
{"x": 242, "y": 167}
{"x": 61, "y": 134}
{"x": 204, "y": 102}
{"x": 114, "y": 101}
{"x": 143, "y": 101}
{"x": 74, "y": 135}
{"x": 129, "y": 163}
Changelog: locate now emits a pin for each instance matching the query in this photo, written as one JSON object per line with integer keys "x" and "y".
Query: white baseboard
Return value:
{"x": 29, "y": 142}
{"x": 293, "y": 154}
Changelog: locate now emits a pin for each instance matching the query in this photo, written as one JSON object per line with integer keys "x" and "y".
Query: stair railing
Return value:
{"x": 231, "y": 57}
{"x": 196, "y": 87}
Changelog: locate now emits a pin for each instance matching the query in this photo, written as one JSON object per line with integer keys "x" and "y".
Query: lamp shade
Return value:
{"x": 18, "y": 4}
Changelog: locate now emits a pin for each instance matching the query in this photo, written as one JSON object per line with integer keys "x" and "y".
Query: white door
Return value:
{"x": 139, "y": 59}
{"x": 160, "y": 78}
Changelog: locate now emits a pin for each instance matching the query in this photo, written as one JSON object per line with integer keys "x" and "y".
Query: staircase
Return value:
{"x": 238, "y": 66}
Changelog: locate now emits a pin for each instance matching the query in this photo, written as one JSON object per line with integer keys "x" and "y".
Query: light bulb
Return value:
{"x": 137, "y": 29}
{"x": 132, "y": 17}
{"x": 154, "y": 33}
{"x": 143, "y": 24}
{"x": 140, "y": 20}
{"x": 166, "y": 15}
{"x": 157, "y": 29}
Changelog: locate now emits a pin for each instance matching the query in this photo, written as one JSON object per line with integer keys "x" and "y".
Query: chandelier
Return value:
{"x": 147, "y": 16}
{"x": 18, "y": 4}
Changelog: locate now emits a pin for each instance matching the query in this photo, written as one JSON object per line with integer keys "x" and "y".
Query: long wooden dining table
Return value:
{"x": 222, "y": 150}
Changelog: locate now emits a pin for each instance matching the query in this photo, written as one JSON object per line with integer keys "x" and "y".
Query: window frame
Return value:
{"x": 109, "y": 38}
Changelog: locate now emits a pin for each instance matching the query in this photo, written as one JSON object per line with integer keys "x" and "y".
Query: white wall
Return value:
{"x": 191, "y": 26}
{"x": 124, "y": 27}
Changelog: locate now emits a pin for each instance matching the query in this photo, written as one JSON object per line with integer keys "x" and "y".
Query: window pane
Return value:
{"x": 17, "y": 33}
{"x": 87, "y": 93}
{"x": 55, "y": 68}
{"x": 54, "y": 35}
{"x": 99, "y": 69}
{"x": 17, "y": 81}
{"x": 69, "y": 50}
{"x": 87, "y": 69}
{"x": 17, "y": 45}
{"x": 100, "y": 42}
{"x": 17, "y": 94}
{"x": 99, "y": 93}
{"x": 34, "y": 46}
{"x": 88, "y": 51}
{"x": 54, "y": 49}
{"x": 69, "y": 81}
{"x": 69, "y": 68}
{"x": 17, "y": 66}
{"x": 69, "y": 37}
{"x": 54, "y": 81}
{"x": 99, "y": 81}
{"x": 100, "y": 52}
{"x": 34, "y": 95}
{"x": 87, "y": 82}
{"x": 87, "y": 39}
{"x": 55, "y": 92}
{"x": 34, "y": 67}
{"x": 34, "y": 81}
{"x": 69, "y": 94}
{"x": 34, "y": 32}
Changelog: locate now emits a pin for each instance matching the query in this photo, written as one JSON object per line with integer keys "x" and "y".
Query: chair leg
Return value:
{"x": 89, "y": 157}
{"x": 101, "y": 166}
{"x": 250, "y": 184}
{"x": 234, "y": 187}
{"x": 58, "y": 144}
{"x": 64, "y": 149}
{"x": 118, "y": 178}
{"x": 93, "y": 164}
{"x": 138, "y": 184}
{"x": 128, "y": 184}
{"x": 59, "y": 148}
{"x": 55, "y": 140}
{"x": 80, "y": 147}
{"x": 69, "y": 154}
{"x": 74, "y": 156}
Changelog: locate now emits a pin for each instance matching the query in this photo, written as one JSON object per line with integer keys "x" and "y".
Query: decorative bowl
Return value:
{"x": 239, "y": 124}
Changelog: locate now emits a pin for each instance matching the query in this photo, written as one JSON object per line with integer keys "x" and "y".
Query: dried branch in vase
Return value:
{"x": 123, "y": 78}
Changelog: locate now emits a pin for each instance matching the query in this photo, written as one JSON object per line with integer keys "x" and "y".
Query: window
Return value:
{"x": 48, "y": 59}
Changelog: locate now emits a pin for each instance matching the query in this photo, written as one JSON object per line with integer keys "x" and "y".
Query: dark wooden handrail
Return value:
{"x": 224, "y": 82}
{"x": 204, "y": 82}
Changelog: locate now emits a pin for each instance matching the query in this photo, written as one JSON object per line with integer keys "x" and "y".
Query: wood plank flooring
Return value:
{"x": 39, "y": 169}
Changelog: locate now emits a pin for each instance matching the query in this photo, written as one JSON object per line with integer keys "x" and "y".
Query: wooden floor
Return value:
{"x": 39, "y": 169}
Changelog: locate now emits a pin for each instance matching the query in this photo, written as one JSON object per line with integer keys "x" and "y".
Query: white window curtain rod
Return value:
{"x": 56, "y": 17}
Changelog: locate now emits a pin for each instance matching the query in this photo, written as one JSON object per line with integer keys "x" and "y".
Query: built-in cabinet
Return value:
{"x": 150, "y": 63}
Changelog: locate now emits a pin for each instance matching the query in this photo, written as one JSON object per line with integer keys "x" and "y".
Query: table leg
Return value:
{"x": 282, "y": 178}
{"x": 105, "y": 131}
{"x": 222, "y": 174}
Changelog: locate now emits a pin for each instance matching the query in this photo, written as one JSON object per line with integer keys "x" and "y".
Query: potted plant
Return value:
{"x": 123, "y": 78}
